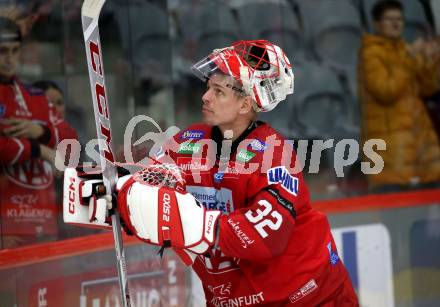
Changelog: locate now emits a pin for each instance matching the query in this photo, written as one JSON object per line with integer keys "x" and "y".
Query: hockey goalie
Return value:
{"x": 235, "y": 211}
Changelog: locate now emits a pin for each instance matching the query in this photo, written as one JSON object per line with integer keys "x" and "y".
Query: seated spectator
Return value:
{"x": 55, "y": 97}
{"x": 393, "y": 78}
{"x": 53, "y": 94}
{"x": 28, "y": 134}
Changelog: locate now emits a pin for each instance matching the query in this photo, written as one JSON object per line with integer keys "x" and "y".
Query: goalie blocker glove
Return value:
{"x": 84, "y": 199}
{"x": 155, "y": 207}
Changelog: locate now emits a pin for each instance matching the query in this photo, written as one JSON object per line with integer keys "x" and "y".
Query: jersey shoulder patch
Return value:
{"x": 280, "y": 175}
{"x": 282, "y": 200}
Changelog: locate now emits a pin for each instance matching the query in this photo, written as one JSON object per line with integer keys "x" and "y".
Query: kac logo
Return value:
{"x": 34, "y": 174}
{"x": 280, "y": 175}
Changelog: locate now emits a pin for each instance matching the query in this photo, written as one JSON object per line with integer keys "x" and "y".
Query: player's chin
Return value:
{"x": 208, "y": 119}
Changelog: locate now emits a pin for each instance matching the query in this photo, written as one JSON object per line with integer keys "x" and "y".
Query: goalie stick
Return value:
{"x": 90, "y": 12}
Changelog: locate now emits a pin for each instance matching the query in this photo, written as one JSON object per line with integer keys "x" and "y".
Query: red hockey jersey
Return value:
{"x": 273, "y": 247}
{"x": 27, "y": 196}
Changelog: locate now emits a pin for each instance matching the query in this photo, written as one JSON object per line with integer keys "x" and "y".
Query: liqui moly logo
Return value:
{"x": 281, "y": 175}
{"x": 192, "y": 134}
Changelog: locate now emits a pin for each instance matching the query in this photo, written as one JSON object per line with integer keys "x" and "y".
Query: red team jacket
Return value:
{"x": 273, "y": 248}
{"x": 27, "y": 196}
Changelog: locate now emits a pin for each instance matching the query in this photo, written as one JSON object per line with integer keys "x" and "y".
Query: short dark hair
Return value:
{"x": 44, "y": 85}
{"x": 384, "y": 5}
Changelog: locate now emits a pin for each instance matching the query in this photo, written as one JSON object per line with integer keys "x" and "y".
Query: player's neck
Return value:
{"x": 237, "y": 128}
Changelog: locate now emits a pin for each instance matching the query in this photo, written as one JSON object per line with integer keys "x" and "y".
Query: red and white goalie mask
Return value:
{"x": 261, "y": 69}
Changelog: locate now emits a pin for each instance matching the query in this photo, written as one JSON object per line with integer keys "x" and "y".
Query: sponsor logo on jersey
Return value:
{"x": 188, "y": 164}
{"x": 218, "y": 177}
{"x": 282, "y": 201}
{"x": 221, "y": 297}
{"x": 213, "y": 199}
{"x": 258, "y": 145}
{"x": 2, "y": 110}
{"x": 334, "y": 258}
{"x": 229, "y": 171}
{"x": 244, "y": 238}
{"x": 189, "y": 148}
{"x": 245, "y": 156}
{"x": 308, "y": 288}
{"x": 281, "y": 175}
{"x": 192, "y": 135}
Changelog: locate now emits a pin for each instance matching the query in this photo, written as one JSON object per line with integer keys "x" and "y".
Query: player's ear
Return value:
{"x": 246, "y": 105}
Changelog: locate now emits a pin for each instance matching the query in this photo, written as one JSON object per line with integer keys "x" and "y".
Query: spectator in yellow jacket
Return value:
{"x": 393, "y": 79}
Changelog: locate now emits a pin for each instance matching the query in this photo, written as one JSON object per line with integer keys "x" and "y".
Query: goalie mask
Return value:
{"x": 261, "y": 69}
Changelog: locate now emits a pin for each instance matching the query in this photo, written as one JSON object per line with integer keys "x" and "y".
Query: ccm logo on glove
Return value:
{"x": 166, "y": 207}
{"x": 72, "y": 195}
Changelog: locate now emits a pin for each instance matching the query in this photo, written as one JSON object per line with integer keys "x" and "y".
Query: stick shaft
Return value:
{"x": 90, "y": 15}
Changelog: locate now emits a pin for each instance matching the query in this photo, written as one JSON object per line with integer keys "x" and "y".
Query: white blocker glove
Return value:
{"x": 155, "y": 207}
{"x": 84, "y": 199}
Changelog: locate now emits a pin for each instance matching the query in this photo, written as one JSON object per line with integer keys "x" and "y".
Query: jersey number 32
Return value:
{"x": 260, "y": 217}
